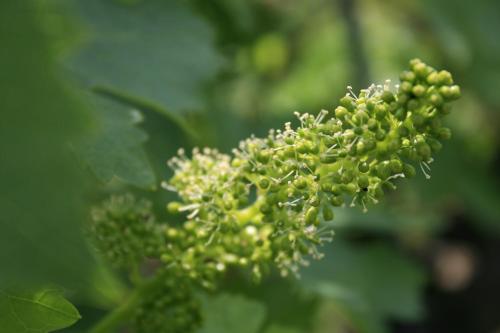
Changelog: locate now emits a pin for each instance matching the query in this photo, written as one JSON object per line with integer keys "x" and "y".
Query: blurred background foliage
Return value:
{"x": 98, "y": 94}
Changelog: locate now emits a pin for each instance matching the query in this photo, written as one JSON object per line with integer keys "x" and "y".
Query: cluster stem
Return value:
{"x": 116, "y": 318}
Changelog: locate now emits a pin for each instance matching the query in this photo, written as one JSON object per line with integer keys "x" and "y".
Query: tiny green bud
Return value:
{"x": 311, "y": 215}
{"x": 387, "y": 96}
{"x": 455, "y": 92}
{"x": 341, "y": 112}
{"x": 363, "y": 181}
{"x": 409, "y": 171}
{"x": 406, "y": 87}
{"x": 436, "y": 99}
{"x": 363, "y": 167}
{"x": 444, "y": 78}
{"x": 327, "y": 213}
{"x": 350, "y": 188}
{"x": 378, "y": 191}
{"x": 413, "y": 104}
{"x": 370, "y": 105}
{"x": 314, "y": 201}
{"x": 347, "y": 102}
{"x": 407, "y": 76}
{"x": 433, "y": 78}
{"x": 444, "y": 133}
{"x": 403, "y": 131}
{"x": 421, "y": 70}
{"x": 380, "y": 111}
{"x": 326, "y": 187}
{"x": 383, "y": 170}
{"x": 337, "y": 189}
{"x": 372, "y": 124}
{"x": 173, "y": 207}
{"x": 171, "y": 233}
{"x": 434, "y": 144}
{"x": 264, "y": 183}
{"x": 300, "y": 183}
{"x": 396, "y": 166}
{"x": 337, "y": 200}
{"x": 418, "y": 119}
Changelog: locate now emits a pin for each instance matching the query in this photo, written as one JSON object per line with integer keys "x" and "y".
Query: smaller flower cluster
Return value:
{"x": 211, "y": 195}
{"x": 125, "y": 230}
{"x": 171, "y": 309}
{"x": 203, "y": 251}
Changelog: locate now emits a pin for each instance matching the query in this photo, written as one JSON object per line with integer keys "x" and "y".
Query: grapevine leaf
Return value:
{"x": 115, "y": 149}
{"x": 368, "y": 280}
{"x": 339, "y": 315}
{"x": 227, "y": 313}
{"x": 476, "y": 194}
{"x": 43, "y": 312}
{"x": 384, "y": 218}
{"x": 154, "y": 50}
{"x": 177, "y": 120}
{"x": 41, "y": 187}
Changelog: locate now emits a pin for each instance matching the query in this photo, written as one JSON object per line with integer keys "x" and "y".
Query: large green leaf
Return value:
{"x": 383, "y": 218}
{"x": 152, "y": 56}
{"x": 41, "y": 186}
{"x": 228, "y": 313}
{"x": 460, "y": 178}
{"x": 338, "y": 315}
{"x": 285, "y": 301}
{"x": 115, "y": 149}
{"x": 374, "y": 281}
{"x": 44, "y": 312}
{"x": 157, "y": 50}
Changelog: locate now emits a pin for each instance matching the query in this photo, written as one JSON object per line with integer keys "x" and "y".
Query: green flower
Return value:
{"x": 125, "y": 231}
{"x": 352, "y": 154}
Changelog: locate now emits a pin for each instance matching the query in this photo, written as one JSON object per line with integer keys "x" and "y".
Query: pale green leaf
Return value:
{"x": 373, "y": 280}
{"x": 43, "y": 312}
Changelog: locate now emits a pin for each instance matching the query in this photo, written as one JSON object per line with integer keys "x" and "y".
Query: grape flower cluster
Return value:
{"x": 172, "y": 308}
{"x": 126, "y": 230}
{"x": 266, "y": 204}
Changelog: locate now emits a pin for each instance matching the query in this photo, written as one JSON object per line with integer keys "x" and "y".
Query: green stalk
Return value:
{"x": 113, "y": 320}
{"x": 246, "y": 214}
